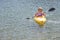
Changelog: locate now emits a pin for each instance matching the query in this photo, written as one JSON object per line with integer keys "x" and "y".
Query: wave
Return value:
{"x": 52, "y": 21}
{"x": 49, "y": 15}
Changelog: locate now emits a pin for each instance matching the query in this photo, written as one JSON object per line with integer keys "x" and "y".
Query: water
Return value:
{"x": 15, "y": 26}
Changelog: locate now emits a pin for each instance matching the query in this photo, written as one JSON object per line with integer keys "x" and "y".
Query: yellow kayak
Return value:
{"x": 40, "y": 20}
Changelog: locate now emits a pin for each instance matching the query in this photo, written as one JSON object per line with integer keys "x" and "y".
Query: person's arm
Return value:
{"x": 44, "y": 14}
{"x": 34, "y": 15}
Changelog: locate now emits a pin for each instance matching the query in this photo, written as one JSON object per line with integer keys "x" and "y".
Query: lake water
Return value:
{"x": 15, "y": 26}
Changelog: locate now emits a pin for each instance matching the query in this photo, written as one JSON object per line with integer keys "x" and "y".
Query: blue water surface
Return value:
{"x": 15, "y": 26}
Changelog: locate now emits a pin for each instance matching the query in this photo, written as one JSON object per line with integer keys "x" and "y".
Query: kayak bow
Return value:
{"x": 40, "y": 20}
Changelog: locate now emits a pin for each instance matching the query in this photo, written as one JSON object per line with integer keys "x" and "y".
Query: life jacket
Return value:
{"x": 39, "y": 14}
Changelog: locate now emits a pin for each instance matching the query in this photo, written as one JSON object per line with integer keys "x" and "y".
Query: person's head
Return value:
{"x": 40, "y": 9}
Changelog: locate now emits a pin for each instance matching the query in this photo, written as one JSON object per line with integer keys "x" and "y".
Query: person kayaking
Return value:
{"x": 40, "y": 12}
{"x": 39, "y": 17}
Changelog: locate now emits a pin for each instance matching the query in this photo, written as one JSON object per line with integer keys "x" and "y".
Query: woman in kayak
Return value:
{"x": 39, "y": 17}
{"x": 40, "y": 12}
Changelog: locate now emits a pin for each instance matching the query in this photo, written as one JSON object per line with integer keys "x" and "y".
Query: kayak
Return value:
{"x": 40, "y": 20}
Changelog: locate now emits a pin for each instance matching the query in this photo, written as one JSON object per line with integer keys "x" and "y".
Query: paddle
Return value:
{"x": 27, "y": 18}
{"x": 50, "y": 10}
